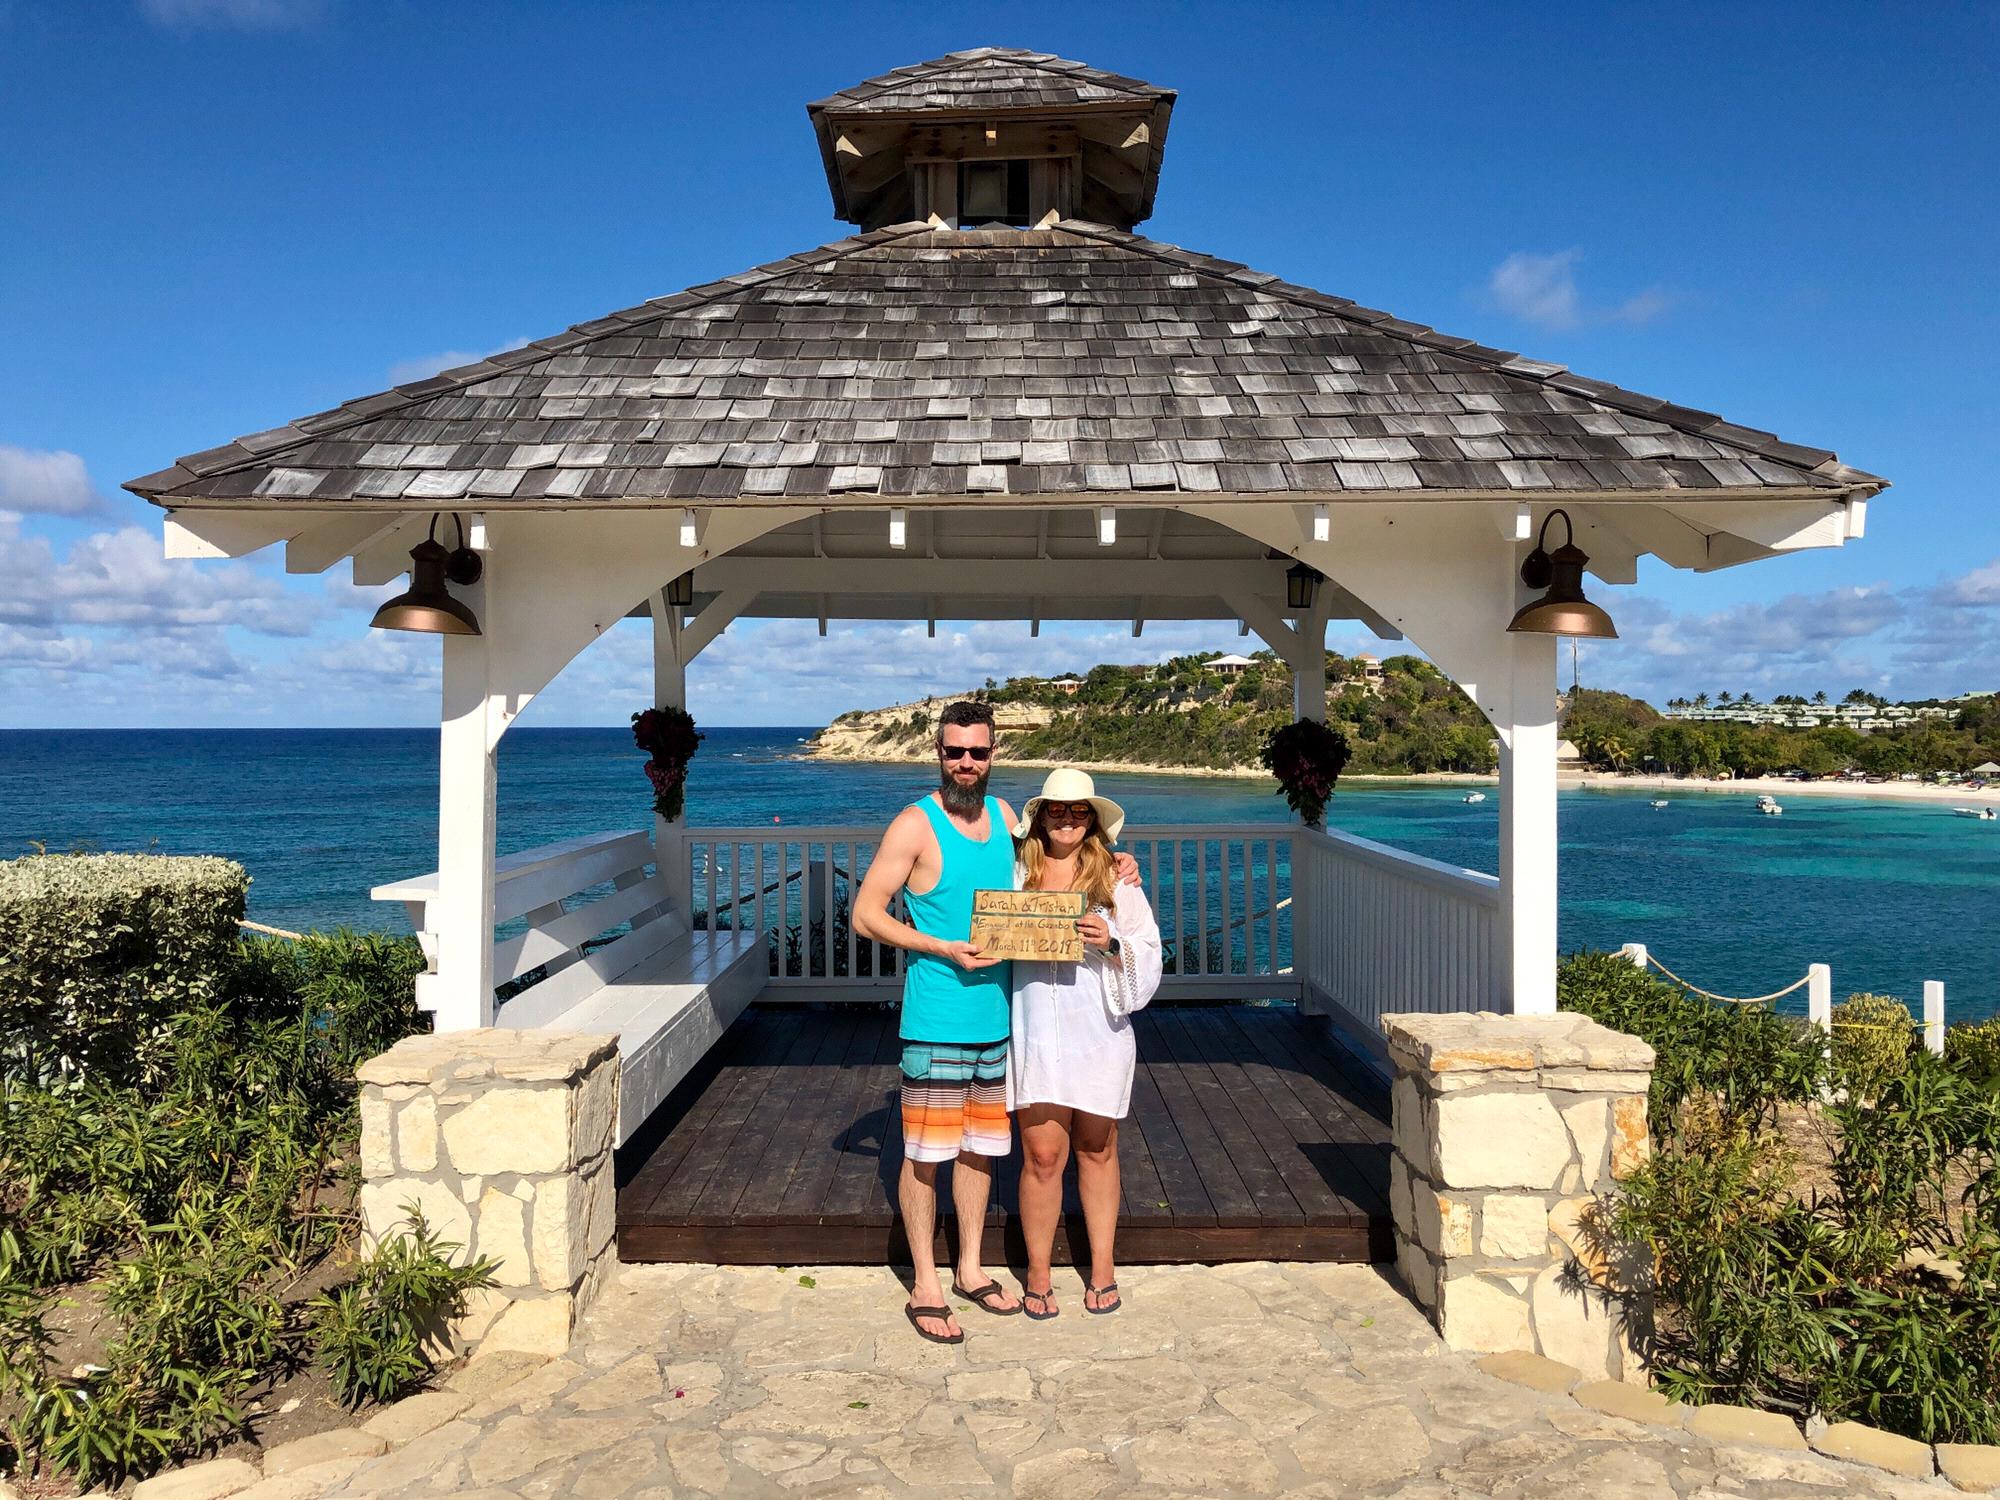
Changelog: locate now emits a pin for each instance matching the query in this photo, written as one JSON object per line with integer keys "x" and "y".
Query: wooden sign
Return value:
{"x": 1028, "y": 924}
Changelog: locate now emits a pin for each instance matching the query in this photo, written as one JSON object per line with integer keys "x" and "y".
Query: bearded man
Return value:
{"x": 957, "y": 1009}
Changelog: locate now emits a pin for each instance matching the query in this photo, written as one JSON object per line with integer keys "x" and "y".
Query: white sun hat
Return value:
{"x": 1067, "y": 784}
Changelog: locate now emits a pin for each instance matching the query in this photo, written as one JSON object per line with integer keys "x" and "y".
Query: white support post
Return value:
{"x": 1819, "y": 998}
{"x": 1636, "y": 953}
{"x": 460, "y": 990}
{"x": 670, "y": 851}
{"x": 1308, "y": 702}
{"x": 1528, "y": 825}
{"x": 1934, "y": 1016}
{"x": 1309, "y": 671}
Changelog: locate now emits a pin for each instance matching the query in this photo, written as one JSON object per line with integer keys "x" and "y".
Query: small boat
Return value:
{"x": 1657, "y": 802}
{"x": 1984, "y": 814}
{"x": 1766, "y": 803}
{"x": 1473, "y": 797}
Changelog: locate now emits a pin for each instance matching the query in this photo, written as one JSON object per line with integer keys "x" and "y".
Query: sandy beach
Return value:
{"x": 1596, "y": 781}
{"x": 1887, "y": 791}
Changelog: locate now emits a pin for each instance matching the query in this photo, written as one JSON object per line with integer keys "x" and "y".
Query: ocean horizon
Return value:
{"x": 1887, "y": 894}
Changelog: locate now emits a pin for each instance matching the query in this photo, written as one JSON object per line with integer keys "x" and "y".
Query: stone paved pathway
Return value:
{"x": 1264, "y": 1380}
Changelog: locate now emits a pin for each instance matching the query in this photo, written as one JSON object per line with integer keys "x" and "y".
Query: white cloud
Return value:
{"x": 123, "y": 579}
{"x": 46, "y": 481}
{"x": 245, "y": 15}
{"x": 424, "y": 366}
{"x": 1910, "y": 643}
{"x": 1542, "y": 289}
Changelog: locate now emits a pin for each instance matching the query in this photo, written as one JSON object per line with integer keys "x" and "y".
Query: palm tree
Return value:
{"x": 1701, "y": 700}
{"x": 1614, "y": 751}
{"x": 1723, "y": 696}
{"x": 1820, "y": 696}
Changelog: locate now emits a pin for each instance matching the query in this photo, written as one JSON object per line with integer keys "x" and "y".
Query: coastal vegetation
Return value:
{"x": 178, "y": 1142}
{"x": 1402, "y": 716}
{"x": 1819, "y": 1224}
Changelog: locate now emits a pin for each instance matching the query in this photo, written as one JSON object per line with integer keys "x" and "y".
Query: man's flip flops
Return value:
{"x": 986, "y": 1296}
{"x": 939, "y": 1313}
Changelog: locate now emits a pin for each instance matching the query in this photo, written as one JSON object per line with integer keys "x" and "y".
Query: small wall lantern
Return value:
{"x": 1301, "y": 583}
{"x": 427, "y": 605}
{"x": 1562, "y": 609}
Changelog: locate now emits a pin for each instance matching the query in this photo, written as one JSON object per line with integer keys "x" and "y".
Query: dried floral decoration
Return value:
{"x": 668, "y": 736}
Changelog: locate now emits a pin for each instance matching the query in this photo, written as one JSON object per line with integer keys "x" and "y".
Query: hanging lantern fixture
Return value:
{"x": 1301, "y": 583}
{"x": 427, "y": 605}
{"x": 1562, "y": 609}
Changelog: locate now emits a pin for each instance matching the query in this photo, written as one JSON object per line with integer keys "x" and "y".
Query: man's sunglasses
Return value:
{"x": 979, "y": 753}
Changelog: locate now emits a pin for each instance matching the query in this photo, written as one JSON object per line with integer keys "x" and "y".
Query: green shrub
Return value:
{"x": 194, "y": 1193}
{"x": 1746, "y": 1058}
{"x": 97, "y": 950}
{"x": 374, "y": 1335}
{"x": 1872, "y": 1038}
{"x": 1864, "y": 1292}
{"x": 1972, "y": 1049}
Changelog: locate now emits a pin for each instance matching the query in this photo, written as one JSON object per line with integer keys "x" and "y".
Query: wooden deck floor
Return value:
{"x": 1251, "y": 1137}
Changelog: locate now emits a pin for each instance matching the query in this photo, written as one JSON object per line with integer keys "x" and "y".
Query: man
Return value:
{"x": 957, "y": 1008}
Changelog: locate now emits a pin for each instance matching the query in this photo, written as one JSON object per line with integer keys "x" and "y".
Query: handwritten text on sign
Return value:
{"x": 1028, "y": 924}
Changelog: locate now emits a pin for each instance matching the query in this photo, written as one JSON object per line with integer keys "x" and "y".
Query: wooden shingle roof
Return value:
{"x": 912, "y": 361}
{"x": 988, "y": 80}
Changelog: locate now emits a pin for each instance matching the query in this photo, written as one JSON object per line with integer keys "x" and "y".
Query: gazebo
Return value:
{"x": 996, "y": 400}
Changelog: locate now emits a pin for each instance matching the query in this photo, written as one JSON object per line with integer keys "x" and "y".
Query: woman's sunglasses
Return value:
{"x": 979, "y": 753}
{"x": 1073, "y": 811}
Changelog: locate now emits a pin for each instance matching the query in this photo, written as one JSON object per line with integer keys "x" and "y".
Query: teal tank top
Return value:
{"x": 941, "y": 1001}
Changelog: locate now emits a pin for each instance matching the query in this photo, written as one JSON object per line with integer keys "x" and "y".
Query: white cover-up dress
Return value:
{"x": 1072, "y": 1043}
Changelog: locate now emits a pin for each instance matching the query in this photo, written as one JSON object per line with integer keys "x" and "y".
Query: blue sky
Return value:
{"x": 224, "y": 213}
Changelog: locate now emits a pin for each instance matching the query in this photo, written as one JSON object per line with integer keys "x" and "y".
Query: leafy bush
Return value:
{"x": 1972, "y": 1048}
{"x": 1872, "y": 1037}
{"x": 194, "y": 1189}
{"x": 1746, "y": 1059}
{"x": 98, "y": 950}
{"x": 375, "y": 1333}
{"x": 1863, "y": 1290}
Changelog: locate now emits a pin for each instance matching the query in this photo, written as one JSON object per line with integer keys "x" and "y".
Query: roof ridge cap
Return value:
{"x": 367, "y": 408}
{"x": 1820, "y": 461}
{"x": 1045, "y": 62}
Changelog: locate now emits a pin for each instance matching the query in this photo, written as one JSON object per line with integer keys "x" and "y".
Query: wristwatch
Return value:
{"x": 1113, "y": 948}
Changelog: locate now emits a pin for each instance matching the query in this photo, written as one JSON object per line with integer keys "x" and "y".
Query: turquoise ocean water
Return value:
{"x": 1888, "y": 894}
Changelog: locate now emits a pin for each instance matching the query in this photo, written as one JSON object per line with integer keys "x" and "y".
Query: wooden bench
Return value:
{"x": 667, "y": 992}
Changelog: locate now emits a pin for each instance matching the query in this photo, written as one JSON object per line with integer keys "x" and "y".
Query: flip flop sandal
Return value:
{"x": 1089, "y": 1291}
{"x": 986, "y": 1296}
{"x": 940, "y": 1313}
{"x": 1045, "y": 1298}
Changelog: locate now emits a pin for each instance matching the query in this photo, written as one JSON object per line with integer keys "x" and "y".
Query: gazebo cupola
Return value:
{"x": 994, "y": 136}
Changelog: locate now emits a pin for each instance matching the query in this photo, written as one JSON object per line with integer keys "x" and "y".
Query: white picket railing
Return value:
{"x": 1221, "y": 893}
{"x": 1392, "y": 931}
{"x": 1363, "y": 927}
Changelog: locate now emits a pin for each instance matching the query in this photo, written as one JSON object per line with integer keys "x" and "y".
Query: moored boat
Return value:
{"x": 1984, "y": 814}
{"x": 1766, "y": 803}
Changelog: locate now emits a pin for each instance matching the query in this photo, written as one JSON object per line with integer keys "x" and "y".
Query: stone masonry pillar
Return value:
{"x": 1507, "y": 1130}
{"x": 503, "y": 1139}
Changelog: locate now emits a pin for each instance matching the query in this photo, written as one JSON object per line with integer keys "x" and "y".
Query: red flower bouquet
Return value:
{"x": 1307, "y": 758}
{"x": 668, "y": 736}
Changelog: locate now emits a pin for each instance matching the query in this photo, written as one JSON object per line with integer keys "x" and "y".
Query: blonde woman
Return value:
{"x": 1069, "y": 1070}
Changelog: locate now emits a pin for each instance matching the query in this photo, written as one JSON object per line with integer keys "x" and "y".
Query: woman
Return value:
{"x": 1069, "y": 1070}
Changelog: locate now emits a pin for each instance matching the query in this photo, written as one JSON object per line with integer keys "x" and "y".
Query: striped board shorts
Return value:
{"x": 955, "y": 1099}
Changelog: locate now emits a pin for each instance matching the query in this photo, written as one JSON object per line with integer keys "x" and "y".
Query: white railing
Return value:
{"x": 1222, "y": 894}
{"x": 1375, "y": 929}
{"x": 1392, "y": 931}
{"x": 568, "y": 916}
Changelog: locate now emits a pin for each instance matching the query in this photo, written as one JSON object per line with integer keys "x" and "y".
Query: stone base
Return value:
{"x": 502, "y": 1139}
{"x": 1508, "y": 1133}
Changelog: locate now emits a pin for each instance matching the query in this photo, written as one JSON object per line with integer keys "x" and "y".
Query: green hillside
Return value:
{"x": 1186, "y": 713}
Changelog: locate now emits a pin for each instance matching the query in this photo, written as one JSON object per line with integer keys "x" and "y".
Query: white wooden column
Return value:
{"x": 1528, "y": 824}
{"x": 460, "y": 990}
{"x": 670, "y": 691}
{"x": 1309, "y": 671}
